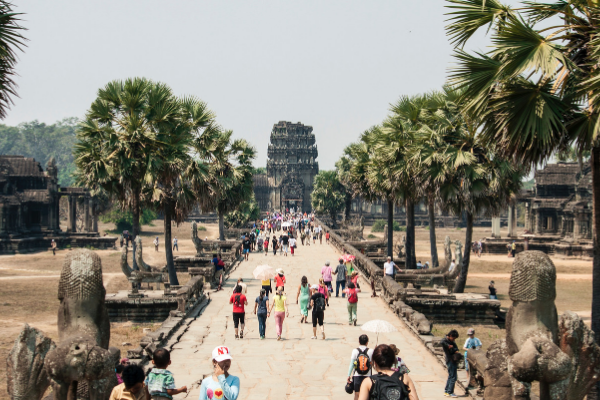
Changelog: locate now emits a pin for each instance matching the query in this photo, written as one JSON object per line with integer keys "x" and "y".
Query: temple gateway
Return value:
{"x": 291, "y": 169}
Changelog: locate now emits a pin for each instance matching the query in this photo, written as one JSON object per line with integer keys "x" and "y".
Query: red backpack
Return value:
{"x": 352, "y": 296}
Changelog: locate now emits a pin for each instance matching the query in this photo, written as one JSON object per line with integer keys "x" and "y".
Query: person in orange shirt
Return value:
{"x": 133, "y": 387}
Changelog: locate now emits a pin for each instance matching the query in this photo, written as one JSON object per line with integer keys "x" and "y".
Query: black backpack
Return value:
{"x": 387, "y": 387}
{"x": 320, "y": 303}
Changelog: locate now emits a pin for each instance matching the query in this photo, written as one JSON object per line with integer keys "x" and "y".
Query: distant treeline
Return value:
{"x": 41, "y": 141}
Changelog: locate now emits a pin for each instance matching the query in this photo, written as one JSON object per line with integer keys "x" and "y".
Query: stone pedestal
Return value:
{"x": 495, "y": 227}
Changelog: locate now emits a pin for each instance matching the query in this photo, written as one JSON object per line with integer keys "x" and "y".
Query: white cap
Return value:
{"x": 315, "y": 287}
{"x": 221, "y": 353}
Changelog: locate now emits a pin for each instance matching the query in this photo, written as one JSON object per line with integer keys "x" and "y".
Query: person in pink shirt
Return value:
{"x": 324, "y": 290}
{"x": 327, "y": 278}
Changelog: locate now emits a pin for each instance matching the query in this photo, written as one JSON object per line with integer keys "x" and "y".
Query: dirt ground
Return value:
{"x": 29, "y": 282}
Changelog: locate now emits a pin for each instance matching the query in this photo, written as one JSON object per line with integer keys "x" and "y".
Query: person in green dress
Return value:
{"x": 302, "y": 298}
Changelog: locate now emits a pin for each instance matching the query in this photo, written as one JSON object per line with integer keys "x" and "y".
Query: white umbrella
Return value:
{"x": 378, "y": 326}
{"x": 264, "y": 272}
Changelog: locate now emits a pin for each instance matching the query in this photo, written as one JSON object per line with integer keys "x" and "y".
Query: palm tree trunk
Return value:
{"x": 432, "y": 237}
{"x": 411, "y": 262}
{"x": 595, "y": 166}
{"x": 135, "y": 210}
{"x": 348, "y": 208}
{"x": 168, "y": 249}
{"x": 333, "y": 218}
{"x": 221, "y": 226}
{"x": 390, "y": 226}
{"x": 461, "y": 282}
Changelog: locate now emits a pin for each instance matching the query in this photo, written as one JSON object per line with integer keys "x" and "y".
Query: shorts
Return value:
{"x": 268, "y": 289}
{"x": 317, "y": 316}
{"x": 244, "y": 251}
{"x": 238, "y": 317}
{"x": 358, "y": 381}
{"x": 285, "y": 248}
{"x": 219, "y": 273}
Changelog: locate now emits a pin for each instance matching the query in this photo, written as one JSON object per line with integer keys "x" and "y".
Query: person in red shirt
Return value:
{"x": 238, "y": 299}
{"x": 327, "y": 237}
{"x": 280, "y": 279}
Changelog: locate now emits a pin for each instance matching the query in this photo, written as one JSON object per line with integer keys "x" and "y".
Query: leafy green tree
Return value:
{"x": 259, "y": 171}
{"x": 246, "y": 212}
{"x": 328, "y": 196}
{"x": 123, "y": 219}
{"x": 231, "y": 176}
{"x": 11, "y": 40}
{"x": 342, "y": 167}
{"x": 42, "y": 142}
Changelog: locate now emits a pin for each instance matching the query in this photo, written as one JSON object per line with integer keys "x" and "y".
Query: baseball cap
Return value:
{"x": 221, "y": 353}
{"x": 315, "y": 287}
{"x": 471, "y": 331}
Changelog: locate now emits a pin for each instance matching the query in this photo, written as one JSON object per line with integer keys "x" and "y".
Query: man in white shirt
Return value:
{"x": 389, "y": 267}
{"x": 357, "y": 378}
{"x": 452, "y": 266}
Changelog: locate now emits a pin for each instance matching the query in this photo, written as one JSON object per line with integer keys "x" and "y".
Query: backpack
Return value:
{"x": 363, "y": 362}
{"x": 352, "y": 296}
{"x": 388, "y": 387}
{"x": 320, "y": 303}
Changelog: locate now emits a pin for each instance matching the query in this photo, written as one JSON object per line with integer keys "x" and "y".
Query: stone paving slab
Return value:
{"x": 295, "y": 367}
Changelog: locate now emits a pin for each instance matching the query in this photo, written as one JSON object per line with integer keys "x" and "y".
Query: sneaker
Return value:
{"x": 241, "y": 335}
{"x": 237, "y": 337}
{"x": 349, "y": 323}
{"x": 451, "y": 395}
{"x": 314, "y": 337}
{"x": 354, "y": 322}
{"x": 278, "y": 337}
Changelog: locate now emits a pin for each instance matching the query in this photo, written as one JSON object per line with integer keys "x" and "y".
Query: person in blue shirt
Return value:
{"x": 471, "y": 343}
{"x": 219, "y": 269}
{"x": 220, "y": 385}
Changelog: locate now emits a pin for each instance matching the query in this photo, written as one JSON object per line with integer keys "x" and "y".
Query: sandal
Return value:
{"x": 241, "y": 335}
{"x": 237, "y": 337}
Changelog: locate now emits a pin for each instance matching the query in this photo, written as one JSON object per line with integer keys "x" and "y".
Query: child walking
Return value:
{"x": 160, "y": 382}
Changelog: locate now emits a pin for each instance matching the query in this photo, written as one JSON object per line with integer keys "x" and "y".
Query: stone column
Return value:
{"x": 496, "y": 227}
{"x": 86, "y": 214}
{"x": 576, "y": 227}
{"x": 511, "y": 221}
{"x": 72, "y": 223}
{"x": 3, "y": 219}
{"x": 527, "y": 216}
{"x": 538, "y": 222}
{"x": 19, "y": 218}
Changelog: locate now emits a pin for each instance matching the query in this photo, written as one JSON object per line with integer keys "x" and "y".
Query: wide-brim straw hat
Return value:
{"x": 280, "y": 271}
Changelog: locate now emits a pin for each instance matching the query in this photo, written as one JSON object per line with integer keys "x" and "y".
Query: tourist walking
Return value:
{"x": 274, "y": 245}
{"x": 280, "y": 279}
{"x": 160, "y": 381}
{"x": 220, "y": 385}
{"x": 340, "y": 281}
{"x": 360, "y": 364}
{"x": 53, "y": 246}
{"x": 292, "y": 245}
{"x": 323, "y": 289}
{"x": 452, "y": 356}
{"x": 240, "y": 282}
{"x": 266, "y": 246}
{"x": 261, "y": 306}
{"x": 281, "y": 311}
{"x": 302, "y": 236}
{"x": 352, "y": 293}
{"x": 320, "y": 235}
{"x": 513, "y": 249}
{"x": 326, "y": 274}
{"x": 239, "y": 301}
{"x": 266, "y": 286}
{"x": 302, "y": 298}
{"x": 307, "y": 231}
{"x": 400, "y": 364}
{"x": 175, "y": 245}
{"x": 156, "y": 243}
{"x": 285, "y": 244}
{"x": 317, "y": 303}
{"x": 327, "y": 237}
{"x": 389, "y": 268}
{"x": 219, "y": 270}
{"x": 246, "y": 243}
{"x": 387, "y": 384}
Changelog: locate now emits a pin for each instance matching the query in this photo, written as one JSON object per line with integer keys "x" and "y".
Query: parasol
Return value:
{"x": 378, "y": 326}
{"x": 264, "y": 272}
{"x": 348, "y": 258}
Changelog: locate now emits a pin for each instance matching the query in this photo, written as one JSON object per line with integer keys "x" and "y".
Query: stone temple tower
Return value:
{"x": 291, "y": 168}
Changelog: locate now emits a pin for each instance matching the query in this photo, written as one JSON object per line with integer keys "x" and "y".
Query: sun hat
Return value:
{"x": 315, "y": 287}
{"x": 471, "y": 331}
{"x": 280, "y": 271}
{"x": 221, "y": 353}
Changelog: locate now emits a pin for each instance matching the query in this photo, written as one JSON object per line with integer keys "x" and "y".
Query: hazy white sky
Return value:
{"x": 335, "y": 64}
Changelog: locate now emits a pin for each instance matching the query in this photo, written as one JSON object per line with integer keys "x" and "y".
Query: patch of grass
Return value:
{"x": 201, "y": 228}
{"x": 371, "y": 236}
{"x": 379, "y": 225}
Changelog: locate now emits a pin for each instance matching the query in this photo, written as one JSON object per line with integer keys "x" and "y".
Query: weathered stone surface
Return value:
{"x": 26, "y": 377}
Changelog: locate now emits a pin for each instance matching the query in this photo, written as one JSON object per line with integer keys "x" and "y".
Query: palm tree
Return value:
{"x": 231, "y": 174}
{"x": 329, "y": 195}
{"x": 175, "y": 166}
{"x": 342, "y": 167}
{"x": 11, "y": 40}
{"x": 536, "y": 90}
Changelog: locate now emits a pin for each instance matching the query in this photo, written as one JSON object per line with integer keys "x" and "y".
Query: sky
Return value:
{"x": 335, "y": 65}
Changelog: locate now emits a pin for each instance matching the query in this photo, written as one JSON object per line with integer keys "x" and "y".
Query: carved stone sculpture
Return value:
{"x": 447, "y": 252}
{"x": 195, "y": 239}
{"x": 458, "y": 252}
{"x": 81, "y": 366}
{"x": 561, "y": 356}
{"x": 148, "y": 274}
{"x": 26, "y": 377}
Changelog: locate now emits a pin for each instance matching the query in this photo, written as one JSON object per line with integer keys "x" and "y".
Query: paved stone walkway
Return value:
{"x": 296, "y": 367}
